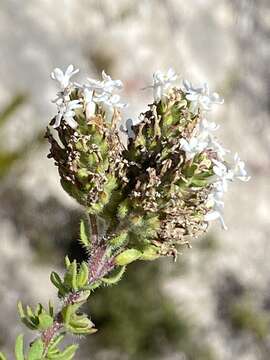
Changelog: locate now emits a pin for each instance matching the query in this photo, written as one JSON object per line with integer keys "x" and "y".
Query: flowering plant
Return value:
{"x": 147, "y": 188}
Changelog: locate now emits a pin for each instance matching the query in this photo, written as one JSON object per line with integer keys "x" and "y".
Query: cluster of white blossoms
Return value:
{"x": 201, "y": 101}
{"x": 93, "y": 93}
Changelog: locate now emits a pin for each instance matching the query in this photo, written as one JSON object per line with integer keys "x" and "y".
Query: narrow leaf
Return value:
{"x": 19, "y": 353}
{"x": 84, "y": 234}
{"x": 36, "y": 350}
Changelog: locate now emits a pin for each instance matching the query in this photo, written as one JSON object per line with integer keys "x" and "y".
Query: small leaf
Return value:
{"x": 56, "y": 341}
{"x": 57, "y": 282}
{"x": 82, "y": 277}
{"x": 84, "y": 234}
{"x": 119, "y": 240}
{"x": 19, "y": 353}
{"x": 74, "y": 275}
{"x": 127, "y": 257}
{"x": 67, "y": 261}
{"x": 36, "y": 350}
{"x": 150, "y": 253}
{"x": 51, "y": 309}
{"x": 67, "y": 354}
{"x": 115, "y": 277}
{"x": 45, "y": 321}
{"x": 66, "y": 314}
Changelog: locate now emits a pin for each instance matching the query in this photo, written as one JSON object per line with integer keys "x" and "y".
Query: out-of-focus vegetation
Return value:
{"x": 136, "y": 318}
{"x": 8, "y": 158}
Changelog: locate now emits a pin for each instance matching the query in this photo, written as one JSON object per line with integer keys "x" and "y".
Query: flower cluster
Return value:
{"x": 202, "y": 141}
{"x": 167, "y": 183}
{"x": 142, "y": 199}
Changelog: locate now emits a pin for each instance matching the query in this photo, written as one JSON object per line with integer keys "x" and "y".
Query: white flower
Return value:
{"x": 66, "y": 112}
{"x": 238, "y": 171}
{"x": 64, "y": 77}
{"x": 162, "y": 82}
{"x": 215, "y": 146}
{"x": 223, "y": 175}
{"x": 201, "y": 98}
{"x": 109, "y": 104}
{"x": 194, "y": 146}
{"x": 90, "y": 106}
{"x": 214, "y": 202}
{"x": 107, "y": 85}
{"x": 205, "y": 126}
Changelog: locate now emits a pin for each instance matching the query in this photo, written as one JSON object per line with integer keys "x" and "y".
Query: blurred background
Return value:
{"x": 214, "y": 303}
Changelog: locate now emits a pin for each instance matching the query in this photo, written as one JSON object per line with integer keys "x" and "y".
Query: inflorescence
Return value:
{"x": 147, "y": 187}
{"x": 173, "y": 168}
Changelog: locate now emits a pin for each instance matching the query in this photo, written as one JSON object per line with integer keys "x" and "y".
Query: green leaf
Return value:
{"x": 66, "y": 314}
{"x": 150, "y": 253}
{"x": 115, "y": 277}
{"x": 127, "y": 257}
{"x": 51, "y": 309}
{"x": 82, "y": 278}
{"x": 84, "y": 234}
{"x": 67, "y": 261}
{"x": 45, "y": 321}
{"x": 30, "y": 323}
{"x": 57, "y": 282}
{"x": 19, "y": 353}
{"x": 55, "y": 342}
{"x": 67, "y": 354}
{"x": 36, "y": 350}
{"x": 74, "y": 275}
{"x": 119, "y": 240}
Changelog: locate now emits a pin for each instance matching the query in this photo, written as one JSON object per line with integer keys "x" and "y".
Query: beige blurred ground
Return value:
{"x": 225, "y": 43}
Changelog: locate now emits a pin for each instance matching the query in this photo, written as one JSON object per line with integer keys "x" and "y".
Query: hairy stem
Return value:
{"x": 99, "y": 266}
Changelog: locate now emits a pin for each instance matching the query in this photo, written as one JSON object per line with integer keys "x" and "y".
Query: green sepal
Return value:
{"x": 36, "y": 350}
{"x": 19, "y": 351}
{"x": 127, "y": 257}
{"x": 115, "y": 276}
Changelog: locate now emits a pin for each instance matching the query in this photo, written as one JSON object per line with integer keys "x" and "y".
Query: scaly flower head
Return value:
{"x": 162, "y": 187}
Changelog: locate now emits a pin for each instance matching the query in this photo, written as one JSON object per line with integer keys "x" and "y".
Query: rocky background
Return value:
{"x": 214, "y": 303}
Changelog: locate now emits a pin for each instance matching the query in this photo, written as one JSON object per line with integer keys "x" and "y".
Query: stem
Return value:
{"x": 94, "y": 229}
{"x": 99, "y": 266}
